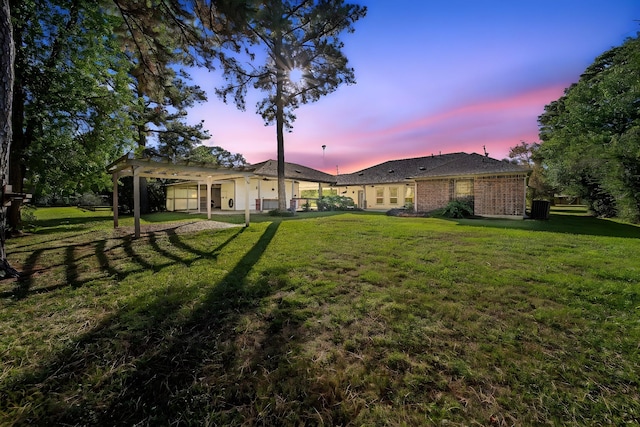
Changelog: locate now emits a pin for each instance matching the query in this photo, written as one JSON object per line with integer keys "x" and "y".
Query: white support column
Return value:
{"x": 209, "y": 179}
{"x": 524, "y": 207}
{"x": 247, "y": 188}
{"x": 292, "y": 203}
{"x": 199, "y": 198}
{"x": 115, "y": 199}
{"x": 364, "y": 204}
{"x": 136, "y": 201}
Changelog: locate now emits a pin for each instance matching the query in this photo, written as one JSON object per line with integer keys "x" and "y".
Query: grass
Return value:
{"x": 341, "y": 319}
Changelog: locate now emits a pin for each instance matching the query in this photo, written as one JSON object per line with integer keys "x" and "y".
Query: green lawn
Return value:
{"x": 323, "y": 319}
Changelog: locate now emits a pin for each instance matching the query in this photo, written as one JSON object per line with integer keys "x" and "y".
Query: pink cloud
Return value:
{"x": 497, "y": 124}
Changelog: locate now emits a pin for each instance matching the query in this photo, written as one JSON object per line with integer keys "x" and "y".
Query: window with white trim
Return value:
{"x": 379, "y": 196}
{"x": 393, "y": 195}
{"x": 409, "y": 194}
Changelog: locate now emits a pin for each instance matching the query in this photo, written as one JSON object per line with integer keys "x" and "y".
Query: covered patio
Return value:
{"x": 159, "y": 167}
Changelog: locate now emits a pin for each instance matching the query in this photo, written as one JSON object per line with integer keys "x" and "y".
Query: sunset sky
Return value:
{"x": 434, "y": 76}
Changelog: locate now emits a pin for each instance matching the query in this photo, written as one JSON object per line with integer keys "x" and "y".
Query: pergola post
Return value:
{"x": 136, "y": 200}
{"x": 247, "y": 187}
{"x": 209, "y": 180}
{"x": 199, "y": 198}
{"x": 115, "y": 199}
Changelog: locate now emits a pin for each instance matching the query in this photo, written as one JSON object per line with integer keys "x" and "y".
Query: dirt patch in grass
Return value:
{"x": 176, "y": 228}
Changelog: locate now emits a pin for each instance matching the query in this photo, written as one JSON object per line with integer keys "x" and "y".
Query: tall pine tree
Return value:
{"x": 299, "y": 37}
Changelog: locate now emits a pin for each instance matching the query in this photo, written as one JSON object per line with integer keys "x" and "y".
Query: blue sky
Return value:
{"x": 434, "y": 77}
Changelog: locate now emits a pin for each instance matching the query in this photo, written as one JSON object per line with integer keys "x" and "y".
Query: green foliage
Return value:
{"x": 591, "y": 144}
{"x": 279, "y": 213}
{"x": 90, "y": 199}
{"x": 217, "y": 155}
{"x": 528, "y": 154}
{"x": 298, "y": 35}
{"x": 458, "y": 208}
{"x": 28, "y": 216}
{"x": 313, "y": 194}
{"x": 156, "y": 191}
{"x": 72, "y": 97}
{"x": 336, "y": 203}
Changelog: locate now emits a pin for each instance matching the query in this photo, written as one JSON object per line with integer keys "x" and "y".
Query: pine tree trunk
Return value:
{"x": 282, "y": 191}
{"x": 19, "y": 143}
{"x": 6, "y": 101}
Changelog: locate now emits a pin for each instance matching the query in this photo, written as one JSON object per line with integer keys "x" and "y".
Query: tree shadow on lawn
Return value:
{"x": 560, "y": 223}
{"x": 71, "y": 257}
{"x": 144, "y": 366}
{"x": 56, "y": 225}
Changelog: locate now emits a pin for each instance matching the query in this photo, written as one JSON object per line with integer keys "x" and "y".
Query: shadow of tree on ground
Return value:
{"x": 148, "y": 367}
{"x": 558, "y": 223}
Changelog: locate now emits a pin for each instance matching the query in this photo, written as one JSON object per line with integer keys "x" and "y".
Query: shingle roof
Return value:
{"x": 293, "y": 171}
{"x": 453, "y": 164}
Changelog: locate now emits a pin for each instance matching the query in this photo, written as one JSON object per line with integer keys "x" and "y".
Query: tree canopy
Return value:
{"x": 528, "y": 154}
{"x": 300, "y": 37}
{"x": 72, "y": 101}
{"x": 97, "y": 78}
{"x": 88, "y": 77}
{"x": 591, "y": 135}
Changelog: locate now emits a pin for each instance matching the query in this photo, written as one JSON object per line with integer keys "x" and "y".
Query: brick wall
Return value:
{"x": 433, "y": 194}
{"x": 499, "y": 195}
{"x": 493, "y": 195}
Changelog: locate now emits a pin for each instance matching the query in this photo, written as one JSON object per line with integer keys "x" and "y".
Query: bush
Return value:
{"x": 28, "y": 217}
{"x": 459, "y": 208}
{"x": 277, "y": 212}
{"x": 336, "y": 203}
{"x": 91, "y": 199}
{"x": 156, "y": 195}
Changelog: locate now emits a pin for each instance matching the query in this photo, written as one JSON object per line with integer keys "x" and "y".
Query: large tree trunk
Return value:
{"x": 19, "y": 142}
{"x": 144, "y": 190}
{"x": 6, "y": 102}
{"x": 282, "y": 191}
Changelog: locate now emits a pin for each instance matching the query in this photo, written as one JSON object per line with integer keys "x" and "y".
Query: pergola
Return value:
{"x": 157, "y": 167}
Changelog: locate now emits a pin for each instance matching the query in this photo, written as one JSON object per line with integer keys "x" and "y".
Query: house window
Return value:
{"x": 182, "y": 198}
{"x": 408, "y": 194}
{"x": 379, "y": 196}
{"x": 463, "y": 188}
{"x": 393, "y": 195}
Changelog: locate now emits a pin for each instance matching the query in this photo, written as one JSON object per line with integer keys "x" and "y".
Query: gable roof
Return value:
{"x": 292, "y": 171}
{"x": 442, "y": 165}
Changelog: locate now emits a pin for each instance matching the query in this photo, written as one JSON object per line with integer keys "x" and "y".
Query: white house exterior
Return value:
{"x": 231, "y": 194}
{"x": 498, "y": 188}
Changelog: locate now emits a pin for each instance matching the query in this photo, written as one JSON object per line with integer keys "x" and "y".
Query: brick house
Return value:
{"x": 498, "y": 188}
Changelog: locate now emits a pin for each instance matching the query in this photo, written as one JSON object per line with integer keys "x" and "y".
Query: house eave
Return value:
{"x": 523, "y": 173}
